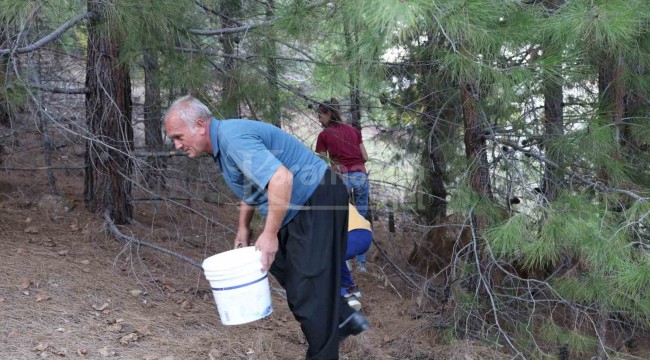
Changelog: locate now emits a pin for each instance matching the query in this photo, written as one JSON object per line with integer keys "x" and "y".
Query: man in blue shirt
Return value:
{"x": 306, "y": 208}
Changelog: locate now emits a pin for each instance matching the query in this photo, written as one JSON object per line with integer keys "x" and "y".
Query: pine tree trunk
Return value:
{"x": 108, "y": 115}
{"x": 436, "y": 191}
{"x": 618, "y": 100}
{"x": 43, "y": 122}
{"x": 229, "y": 99}
{"x": 272, "y": 69}
{"x": 554, "y": 129}
{"x": 152, "y": 113}
{"x": 355, "y": 99}
{"x": 553, "y": 123}
{"x": 434, "y": 108}
{"x": 476, "y": 153}
{"x": 611, "y": 91}
{"x": 153, "y": 121}
{"x": 636, "y": 106}
{"x": 475, "y": 145}
{"x": 4, "y": 106}
{"x": 612, "y": 101}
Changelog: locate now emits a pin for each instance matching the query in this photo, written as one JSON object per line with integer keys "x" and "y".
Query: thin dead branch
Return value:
{"x": 132, "y": 239}
{"x": 244, "y": 28}
{"x": 57, "y": 90}
{"x": 596, "y": 185}
{"x": 166, "y": 154}
{"x": 51, "y": 36}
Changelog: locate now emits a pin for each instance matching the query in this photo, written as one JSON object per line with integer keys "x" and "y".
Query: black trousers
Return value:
{"x": 308, "y": 265}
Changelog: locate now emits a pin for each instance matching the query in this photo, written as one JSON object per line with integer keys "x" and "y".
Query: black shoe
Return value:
{"x": 355, "y": 324}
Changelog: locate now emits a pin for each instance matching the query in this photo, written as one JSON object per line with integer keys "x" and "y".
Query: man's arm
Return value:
{"x": 243, "y": 230}
{"x": 279, "y": 196}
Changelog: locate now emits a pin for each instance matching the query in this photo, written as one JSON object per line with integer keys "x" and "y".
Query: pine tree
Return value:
{"x": 108, "y": 115}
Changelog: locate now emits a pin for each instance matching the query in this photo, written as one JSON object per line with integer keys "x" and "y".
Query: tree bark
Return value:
{"x": 355, "y": 99}
{"x": 475, "y": 144}
{"x": 153, "y": 138}
{"x": 43, "y": 123}
{"x": 435, "y": 116}
{"x": 636, "y": 106}
{"x": 612, "y": 102}
{"x": 476, "y": 152}
{"x": 229, "y": 97}
{"x": 108, "y": 115}
{"x": 4, "y": 106}
{"x": 272, "y": 69}
{"x": 152, "y": 114}
{"x": 553, "y": 129}
{"x": 553, "y": 122}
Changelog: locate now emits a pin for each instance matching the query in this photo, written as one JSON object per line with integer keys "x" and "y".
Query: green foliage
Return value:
{"x": 16, "y": 96}
{"x": 639, "y": 131}
{"x": 576, "y": 342}
{"x": 508, "y": 240}
{"x": 145, "y": 23}
{"x": 291, "y": 19}
{"x": 466, "y": 199}
{"x": 11, "y": 10}
{"x": 609, "y": 26}
{"x": 587, "y": 289}
{"x": 43, "y": 16}
{"x": 184, "y": 71}
{"x": 639, "y": 213}
{"x": 634, "y": 278}
{"x": 595, "y": 147}
{"x": 392, "y": 17}
{"x": 467, "y": 302}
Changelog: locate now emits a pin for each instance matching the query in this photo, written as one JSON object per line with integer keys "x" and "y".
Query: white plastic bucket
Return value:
{"x": 240, "y": 288}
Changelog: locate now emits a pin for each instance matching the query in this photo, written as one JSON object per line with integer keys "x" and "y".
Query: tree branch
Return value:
{"x": 41, "y": 168}
{"x": 244, "y": 28}
{"x": 584, "y": 180}
{"x": 120, "y": 236}
{"x": 51, "y": 36}
{"x": 231, "y": 30}
{"x": 57, "y": 90}
{"x": 210, "y": 52}
{"x": 158, "y": 153}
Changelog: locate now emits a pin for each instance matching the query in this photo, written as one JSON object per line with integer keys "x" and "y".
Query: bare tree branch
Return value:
{"x": 57, "y": 90}
{"x": 210, "y": 52}
{"x": 582, "y": 179}
{"x": 231, "y": 30}
{"x": 245, "y": 28}
{"x": 120, "y": 236}
{"x": 41, "y": 168}
{"x": 51, "y": 36}
{"x": 158, "y": 153}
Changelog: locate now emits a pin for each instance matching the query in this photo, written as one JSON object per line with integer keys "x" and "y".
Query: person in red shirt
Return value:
{"x": 343, "y": 146}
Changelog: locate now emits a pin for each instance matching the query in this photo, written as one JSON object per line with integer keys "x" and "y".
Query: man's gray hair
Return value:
{"x": 189, "y": 109}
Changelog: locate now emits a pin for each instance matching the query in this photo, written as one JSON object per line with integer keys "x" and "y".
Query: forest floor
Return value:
{"x": 69, "y": 288}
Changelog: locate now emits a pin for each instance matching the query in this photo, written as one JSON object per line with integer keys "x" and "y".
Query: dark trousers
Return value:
{"x": 308, "y": 264}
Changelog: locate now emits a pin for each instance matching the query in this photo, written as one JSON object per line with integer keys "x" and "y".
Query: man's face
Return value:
{"x": 191, "y": 140}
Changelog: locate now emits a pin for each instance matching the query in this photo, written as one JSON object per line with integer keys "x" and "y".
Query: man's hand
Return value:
{"x": 267, "y": 243}
{"x": 242, "y": 238}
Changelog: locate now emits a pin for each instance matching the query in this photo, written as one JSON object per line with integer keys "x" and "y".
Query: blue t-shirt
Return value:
{"x": 250, "y": 152}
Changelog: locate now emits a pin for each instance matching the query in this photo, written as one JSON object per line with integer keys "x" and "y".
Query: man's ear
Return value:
{"x": 202, "y": 126}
